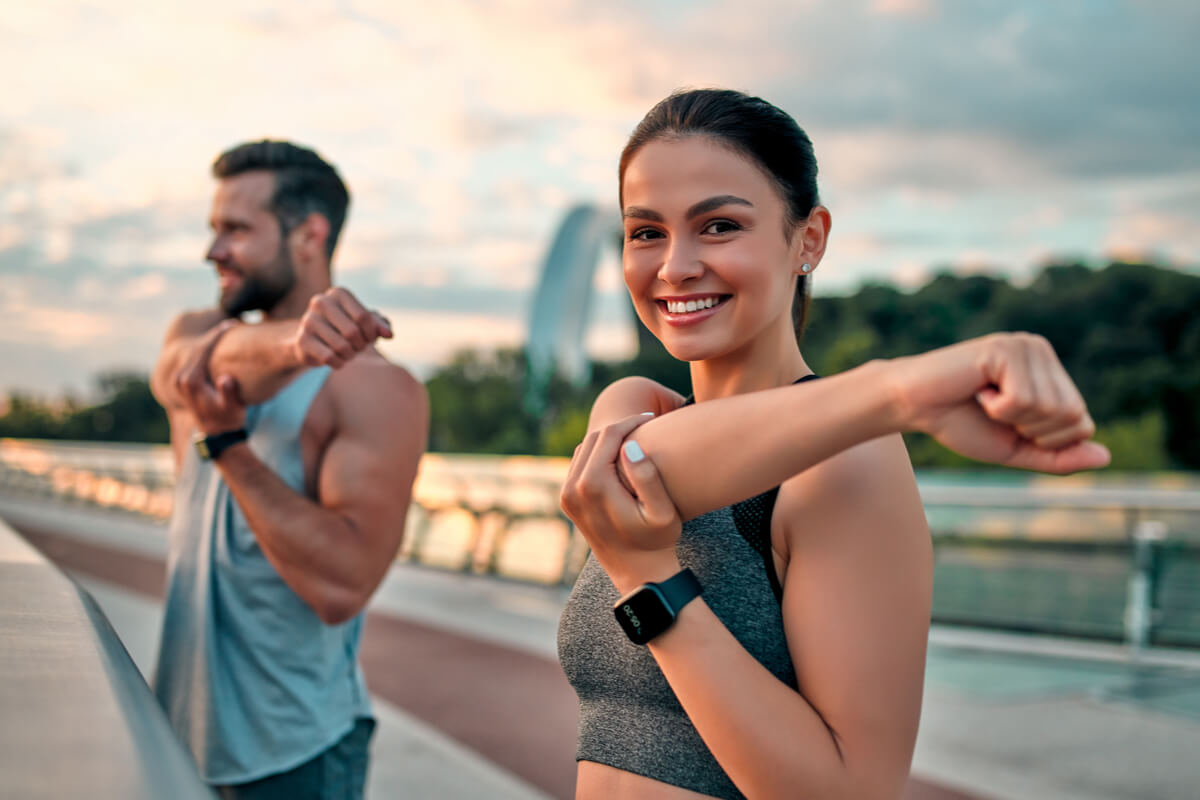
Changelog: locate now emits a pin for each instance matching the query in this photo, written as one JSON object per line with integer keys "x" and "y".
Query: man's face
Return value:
{"x": 248, "y": 247}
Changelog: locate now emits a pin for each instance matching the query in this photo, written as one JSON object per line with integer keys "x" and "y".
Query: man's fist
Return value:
{"x": 335, "y": 328}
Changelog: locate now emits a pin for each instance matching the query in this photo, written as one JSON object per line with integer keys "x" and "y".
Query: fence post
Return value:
{"x": 1139, "y": 607}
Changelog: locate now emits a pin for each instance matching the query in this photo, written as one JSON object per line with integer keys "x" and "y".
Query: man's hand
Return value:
{"x": 335, "y": 328}
{"x": 216, "y": 406}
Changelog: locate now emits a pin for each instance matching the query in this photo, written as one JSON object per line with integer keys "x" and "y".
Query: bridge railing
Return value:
{"x": 76, "y": 717}
{"x": 1079, "y": 556}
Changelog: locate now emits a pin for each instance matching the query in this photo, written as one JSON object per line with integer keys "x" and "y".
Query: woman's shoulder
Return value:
{"x": 868, "y": 484}
{"x": 630, "y": 396}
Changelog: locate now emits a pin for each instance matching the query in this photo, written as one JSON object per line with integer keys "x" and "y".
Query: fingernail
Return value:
{"x": 647, "y": 413}
{"x": 633, "y": 452}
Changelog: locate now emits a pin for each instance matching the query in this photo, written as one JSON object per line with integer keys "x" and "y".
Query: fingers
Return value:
{"x": 229, "y": 391}
{"x": 383, "y": 324}
{"x": 655, "y": 504}
{"x": 355, "y": 335}
{"x": 1035, "y": 396}
{"x": 601, "y": 464}
{"x": 1076, "y": 457}
{"x": 593, "y": 474}
{"x": 347, "y": 307}
{"x": 194, "y": 373}
{"x": 322, "y": 344}
{"x": 336, "y": 327}
{"x": 209, "y": 342}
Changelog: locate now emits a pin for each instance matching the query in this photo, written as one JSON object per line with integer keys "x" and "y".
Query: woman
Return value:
{"x": 787, "y": 659}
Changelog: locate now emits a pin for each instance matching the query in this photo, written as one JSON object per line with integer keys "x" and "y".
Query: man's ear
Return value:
{"x": 313, "y": 233}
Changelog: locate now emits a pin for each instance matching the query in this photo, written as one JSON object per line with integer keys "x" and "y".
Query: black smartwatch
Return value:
{"x": 211, "y": 447}
{"x": 651, "y": 608}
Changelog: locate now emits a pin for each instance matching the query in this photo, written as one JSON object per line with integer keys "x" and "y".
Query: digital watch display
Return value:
{"x": 651, "y": 608}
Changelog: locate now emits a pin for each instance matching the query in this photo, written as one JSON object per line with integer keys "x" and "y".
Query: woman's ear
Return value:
{"x": 809, "y": 241}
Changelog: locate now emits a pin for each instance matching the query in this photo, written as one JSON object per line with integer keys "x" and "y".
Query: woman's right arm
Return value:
{"x": 1003, "y": 398}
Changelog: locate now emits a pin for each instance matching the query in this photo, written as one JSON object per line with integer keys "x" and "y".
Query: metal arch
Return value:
{"x": 563, "y": 303}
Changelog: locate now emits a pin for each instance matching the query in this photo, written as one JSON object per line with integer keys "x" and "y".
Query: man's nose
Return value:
{"x": 218, "y": 252}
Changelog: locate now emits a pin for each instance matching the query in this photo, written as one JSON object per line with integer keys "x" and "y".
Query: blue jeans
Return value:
{"x": 339, "y": 773}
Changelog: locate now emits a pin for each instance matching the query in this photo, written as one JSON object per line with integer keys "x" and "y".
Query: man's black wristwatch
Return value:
{"x": 651, "y": 608}
{"x": 210, "y": 447}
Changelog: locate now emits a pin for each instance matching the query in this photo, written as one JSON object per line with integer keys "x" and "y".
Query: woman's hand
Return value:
{"x": 614, "y": 495}
{"x": 1003, "y": 398}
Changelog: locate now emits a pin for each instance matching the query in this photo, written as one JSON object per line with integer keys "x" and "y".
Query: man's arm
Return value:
{"x": 334, "y": 551}
{"x": 184, "y": 335}
{"x": 264, "y": 357}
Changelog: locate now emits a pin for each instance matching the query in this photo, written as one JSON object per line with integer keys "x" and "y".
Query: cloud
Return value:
{"x": 901, "y": 8}
{"x": 465, "y": 130}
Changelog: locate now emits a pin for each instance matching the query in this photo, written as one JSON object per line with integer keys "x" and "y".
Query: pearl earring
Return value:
{"x": 806, "y": 268}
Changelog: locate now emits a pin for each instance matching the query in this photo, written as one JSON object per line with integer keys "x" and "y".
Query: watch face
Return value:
{"x": 643, "y": 614}
{"x": 202, "y": 448}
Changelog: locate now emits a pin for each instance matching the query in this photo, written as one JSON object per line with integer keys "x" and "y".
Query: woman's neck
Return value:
{"x": 771, "y": 360}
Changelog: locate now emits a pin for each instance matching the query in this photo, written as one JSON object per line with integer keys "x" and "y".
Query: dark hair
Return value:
{"x": 304, "y": 183}
{"x": 753, "y": 128}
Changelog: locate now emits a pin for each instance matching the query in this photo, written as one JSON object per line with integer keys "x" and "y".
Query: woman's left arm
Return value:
{"x": 856, "y": 613}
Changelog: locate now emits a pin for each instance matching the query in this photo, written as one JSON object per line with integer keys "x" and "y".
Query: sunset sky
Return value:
{"x": 973, "y": 136}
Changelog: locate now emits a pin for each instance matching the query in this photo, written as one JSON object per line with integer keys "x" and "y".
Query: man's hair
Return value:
{"x": 304, "y": 183}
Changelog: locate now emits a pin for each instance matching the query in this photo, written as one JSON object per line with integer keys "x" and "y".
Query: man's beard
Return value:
{"x": 263, "y": 290}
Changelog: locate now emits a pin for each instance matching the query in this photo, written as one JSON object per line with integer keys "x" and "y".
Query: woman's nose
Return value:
{"x": 681, "y": 264}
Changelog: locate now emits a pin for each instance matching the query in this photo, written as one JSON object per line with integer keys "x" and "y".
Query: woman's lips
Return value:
{"x": 680, "y": 316}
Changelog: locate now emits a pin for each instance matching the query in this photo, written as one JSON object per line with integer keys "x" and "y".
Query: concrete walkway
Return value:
{"x": 452, "y": 660}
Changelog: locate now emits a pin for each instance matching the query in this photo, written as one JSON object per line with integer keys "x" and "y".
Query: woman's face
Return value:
{"x": 706, "y": 260}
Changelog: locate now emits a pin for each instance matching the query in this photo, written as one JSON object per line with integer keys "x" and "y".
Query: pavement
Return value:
{"x": 471, "y": 702}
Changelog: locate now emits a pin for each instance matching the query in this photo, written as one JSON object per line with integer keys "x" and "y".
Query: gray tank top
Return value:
{"x": 629, "y": 717}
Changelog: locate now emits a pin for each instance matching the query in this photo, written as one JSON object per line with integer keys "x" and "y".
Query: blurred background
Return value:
{"x": 1019, "y": 166}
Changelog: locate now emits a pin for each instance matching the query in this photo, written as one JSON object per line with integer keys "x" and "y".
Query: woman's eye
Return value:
{"x": 719, "y": 226}
{"x": 644, "y": 234}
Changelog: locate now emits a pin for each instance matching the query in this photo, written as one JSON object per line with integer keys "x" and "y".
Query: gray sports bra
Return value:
{"x": 629, "y": 717}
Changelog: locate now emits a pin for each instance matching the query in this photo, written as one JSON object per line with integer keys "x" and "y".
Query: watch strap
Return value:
{"x": 680, "y": 589}
{"x": 212, "y": 446}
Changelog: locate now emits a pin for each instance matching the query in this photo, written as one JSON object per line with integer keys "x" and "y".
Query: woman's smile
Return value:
{"x": 690, "y": 309}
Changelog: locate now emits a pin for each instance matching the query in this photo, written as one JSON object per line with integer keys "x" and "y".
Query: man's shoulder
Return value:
{"x": 372, "y": 380}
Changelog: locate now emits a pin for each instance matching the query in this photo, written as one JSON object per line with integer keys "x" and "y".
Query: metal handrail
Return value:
{"x": 494, "y": 496}
{"x": 72, "y": 695}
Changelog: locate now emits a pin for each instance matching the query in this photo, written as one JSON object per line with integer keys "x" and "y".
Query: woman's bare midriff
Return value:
{"x": 601, "y": 782}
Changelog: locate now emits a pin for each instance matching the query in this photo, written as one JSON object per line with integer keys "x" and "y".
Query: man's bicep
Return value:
{"x": 368, "y": 469}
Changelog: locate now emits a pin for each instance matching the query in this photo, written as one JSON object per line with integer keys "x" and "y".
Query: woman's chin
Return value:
{"x": 689, "y": 351}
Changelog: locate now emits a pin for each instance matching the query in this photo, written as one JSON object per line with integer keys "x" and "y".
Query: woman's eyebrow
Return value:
{"x": 637, "y": 212}
{"x": 703, "y": 207}
{"x": 713, "y": 203}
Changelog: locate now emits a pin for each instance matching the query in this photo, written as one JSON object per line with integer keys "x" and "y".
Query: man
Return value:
{"x": 291, "y": 507}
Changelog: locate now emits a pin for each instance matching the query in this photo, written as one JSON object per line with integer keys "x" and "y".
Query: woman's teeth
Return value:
{"x": 686, "y": 306}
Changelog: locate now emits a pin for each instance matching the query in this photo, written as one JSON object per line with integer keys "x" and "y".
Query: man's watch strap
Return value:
{"x": 210, "y": 447}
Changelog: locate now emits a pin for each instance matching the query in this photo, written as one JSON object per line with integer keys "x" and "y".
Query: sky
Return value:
{"x": 977, "y": 137}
